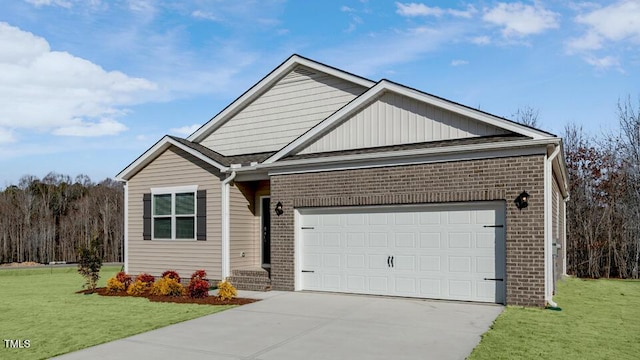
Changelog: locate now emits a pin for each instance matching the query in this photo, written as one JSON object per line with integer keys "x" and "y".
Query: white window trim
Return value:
{"x": 173, "y": 190}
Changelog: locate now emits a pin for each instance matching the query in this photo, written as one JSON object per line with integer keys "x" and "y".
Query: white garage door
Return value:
{"x": 454, "y": 252}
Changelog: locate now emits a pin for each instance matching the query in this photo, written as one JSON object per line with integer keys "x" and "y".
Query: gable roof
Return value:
{"x": 203, "y": 153}
{"x": 264, "y": 84}
{"x": 385, "y": 85}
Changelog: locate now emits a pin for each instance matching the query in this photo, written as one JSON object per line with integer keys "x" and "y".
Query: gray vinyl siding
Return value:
{"x": 175, "y": 167}
{"x": 394, "y": 119}
{"x": 242, "y": 231}
{"x": 292, "y": 106}
{"x": 557, "y": 229}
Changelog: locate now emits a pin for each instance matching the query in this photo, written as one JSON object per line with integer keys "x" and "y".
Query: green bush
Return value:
{"x": 89, "y": 264}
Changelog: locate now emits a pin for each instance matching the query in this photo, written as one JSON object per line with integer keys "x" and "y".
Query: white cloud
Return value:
{"x": 415, "y": 9}
{"x": 614, "y": 23}
{"x": 518, "y": 19}
{"x": 6, "y": 136}
{"x": 205, "y": 15}
{"x": 603, "y": 62}
{"x": 481, "y": 40}
{"x": 185, "y": 130}
{"x": 61, "y": 3}
{"x": 47, "y": 90}
{"x": 345, "y": 8}
{"x": 418, "y": 9}
{"x": 101, "y": 128}
{"x": 459, "y": 62}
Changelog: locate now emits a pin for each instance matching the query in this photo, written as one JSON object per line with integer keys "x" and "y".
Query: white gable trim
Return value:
{"x": 264, "y": 84}
{"x": 158, "y": 149}
{"x": 385, "y": 85}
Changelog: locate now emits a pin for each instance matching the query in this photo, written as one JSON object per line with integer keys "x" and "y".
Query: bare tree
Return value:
{"x": 527, "y": 115}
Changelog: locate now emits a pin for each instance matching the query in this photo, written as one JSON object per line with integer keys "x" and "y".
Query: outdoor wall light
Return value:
{"x": 522, "y": 201}
{"x": 278, "y": 209}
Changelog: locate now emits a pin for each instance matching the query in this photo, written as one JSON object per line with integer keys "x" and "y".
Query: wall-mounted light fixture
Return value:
{"x": 522, "y": 201}
{"x": 279, "y": 209}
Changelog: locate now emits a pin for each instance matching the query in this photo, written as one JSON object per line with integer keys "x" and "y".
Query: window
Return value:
{"x": 175, "y": 213}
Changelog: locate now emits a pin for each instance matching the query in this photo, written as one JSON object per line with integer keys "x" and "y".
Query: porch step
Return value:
{"x": 255, "y": 279}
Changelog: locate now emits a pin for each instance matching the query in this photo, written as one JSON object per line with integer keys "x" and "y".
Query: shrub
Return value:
{"x": 198, "y": 288}
{"x": 114, "y": 285}
{"x": 146, "y": 278}
{"x": 171, "y": 275}
{"x": 167, "y": 287}
{"x": 89, "y": 264}
{"x": 200, "y": 274}
{"x": 124, "y": 279}
{"x": 137, "y": 288}
{"x": 226, "y": 290}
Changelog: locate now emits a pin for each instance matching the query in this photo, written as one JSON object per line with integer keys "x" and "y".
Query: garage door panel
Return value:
{"x": 404, "y": 219}
{"x": 356, "y": 241}
{"x": 379, "y": 240}
{"x": 460, "y": 289}
{"x": 461, "y": 240}
{"x": 331, "y": 240}
{"x": 356, "y": 261}
{"x": 459, "y": 217}
{"x": 442, "y": 252}
{"x": 405, "y": 240}
{"x": 430, "y": 240}
{"x": 430, "y": 263}
{"x": 459, "y": 264}
{"x": 405, "y": 285}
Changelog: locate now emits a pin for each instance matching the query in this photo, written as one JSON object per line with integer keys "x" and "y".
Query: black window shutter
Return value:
{"x": 146, "y": 216}
{"x": 201, "y": 221}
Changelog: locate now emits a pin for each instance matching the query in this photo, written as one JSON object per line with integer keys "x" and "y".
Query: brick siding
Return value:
{"x": 474, "y": 180}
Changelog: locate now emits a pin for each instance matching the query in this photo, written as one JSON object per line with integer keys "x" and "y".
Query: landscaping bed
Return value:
{"x": 209, "y": 300}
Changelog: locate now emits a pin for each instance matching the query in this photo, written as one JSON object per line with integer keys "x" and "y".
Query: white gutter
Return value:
{"x": 125, "y": 250}
{"x": 225, "y": 225}
{"x": 404, "y": 153}
{"x": 548, "y": 225}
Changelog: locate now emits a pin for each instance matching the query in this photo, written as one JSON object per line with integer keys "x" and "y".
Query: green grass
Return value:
{"x": 42, "y": 306}
{"x": 600, "y": 319}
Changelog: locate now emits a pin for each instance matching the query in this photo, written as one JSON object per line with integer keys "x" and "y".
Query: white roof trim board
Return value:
{"x": 158, "y": 149}
{"x": 385, "y": 85}
{"x": 266, "y": 83}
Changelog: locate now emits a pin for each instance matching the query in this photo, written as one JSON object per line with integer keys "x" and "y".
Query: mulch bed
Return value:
{"x": 209, "y": 300}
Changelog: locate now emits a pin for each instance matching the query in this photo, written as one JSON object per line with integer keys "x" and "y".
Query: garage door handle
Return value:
{"x": 493, "y": 279}
{"x": 392, "y": 262}
{"x": 309, "y": 271}
{"x": 308, "y": 228}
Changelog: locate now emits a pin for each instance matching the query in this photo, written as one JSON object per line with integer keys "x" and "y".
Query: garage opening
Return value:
{"x": 453, "y": 251}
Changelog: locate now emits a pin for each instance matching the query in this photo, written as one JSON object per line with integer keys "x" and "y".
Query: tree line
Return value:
{"x": 49, "y": 219}
{"x": 603, "y": 213}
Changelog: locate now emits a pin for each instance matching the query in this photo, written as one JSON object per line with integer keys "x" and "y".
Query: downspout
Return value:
{"x": 548, "y": 225}
{"x": 564, "y": 236}
{"x": 225, "y": 225}
{"x": 125, "y": 249}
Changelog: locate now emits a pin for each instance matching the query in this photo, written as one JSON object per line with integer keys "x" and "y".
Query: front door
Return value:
{"x": 266, "y": 232}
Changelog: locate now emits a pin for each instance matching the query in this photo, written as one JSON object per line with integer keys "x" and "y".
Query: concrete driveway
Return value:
{"x": 308, "y": 326}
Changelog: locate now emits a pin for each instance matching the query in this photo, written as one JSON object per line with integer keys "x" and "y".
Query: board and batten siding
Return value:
{"x": 289, "y": 108}
{"x": 394, "y": 119}
{"x": 175, "y": 167}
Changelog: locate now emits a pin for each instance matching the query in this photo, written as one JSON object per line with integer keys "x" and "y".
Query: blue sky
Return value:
{"x": 88, "y": 85}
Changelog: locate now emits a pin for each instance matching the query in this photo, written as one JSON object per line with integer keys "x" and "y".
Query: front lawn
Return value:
{"x": 600, "y": 319}
{"x": 41, "y": 306}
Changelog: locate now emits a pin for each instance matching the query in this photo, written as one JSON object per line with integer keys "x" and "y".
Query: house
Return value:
{"x": 319, "y": 179}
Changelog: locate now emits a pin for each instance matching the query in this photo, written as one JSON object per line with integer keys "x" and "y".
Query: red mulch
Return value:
{"x": 209, "y": 300}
